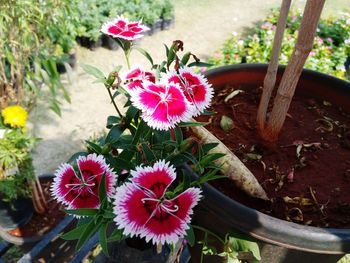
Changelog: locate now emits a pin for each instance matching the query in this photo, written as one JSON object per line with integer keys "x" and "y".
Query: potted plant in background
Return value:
{"x": 242, "y": 79}
{"x": 132, "y": 184}
{"x": 16, "y": 169}
{"x": 24, "y": 204}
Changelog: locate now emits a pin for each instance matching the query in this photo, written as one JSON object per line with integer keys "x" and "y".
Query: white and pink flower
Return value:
{"x": 142, "y": 209}
{"x": 79, "y": 189}
{"x": 195, "y": 87}
{"x": 124, "y": 29}
{"x": 162, "y": 105}
{"x": 137, "y": 76}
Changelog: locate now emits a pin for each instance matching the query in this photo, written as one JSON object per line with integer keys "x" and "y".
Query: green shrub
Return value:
{"x": 34, "y": 37}
{"x": 329, "y": 53}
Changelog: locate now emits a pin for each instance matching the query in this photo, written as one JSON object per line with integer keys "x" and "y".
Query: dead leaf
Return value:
{"x": 232, "y": 94}
{"x": 226, "y": 123}
{"x": 326, "y": 125}
{"x": 298, "y": 201}
{"x": 254, "y": 156}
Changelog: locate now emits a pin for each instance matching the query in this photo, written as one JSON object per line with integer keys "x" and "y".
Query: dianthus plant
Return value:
{"x": 137, "y": 180}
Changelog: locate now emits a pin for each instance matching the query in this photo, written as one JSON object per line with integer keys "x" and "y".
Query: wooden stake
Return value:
{"x": 270, "y": 78}
{"x": 293, "y": 70}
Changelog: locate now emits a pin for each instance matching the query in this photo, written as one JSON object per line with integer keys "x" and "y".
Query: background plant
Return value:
{"x": 35, "y": 35}
{"x": 93, "y": 13}
{"x": 329, "y": 54}
{"x": 16, "y": 169}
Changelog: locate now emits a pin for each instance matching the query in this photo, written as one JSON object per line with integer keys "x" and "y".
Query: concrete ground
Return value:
{"x": 203, "y": 25}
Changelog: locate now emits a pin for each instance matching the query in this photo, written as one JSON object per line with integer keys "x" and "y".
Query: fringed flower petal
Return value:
{"x": 122, "y": 28}
{"x": 162, "y": 106}
{"x": 142, "y": 209}
{"x": 195, "y": 87}
{"x": 80, "y": 189}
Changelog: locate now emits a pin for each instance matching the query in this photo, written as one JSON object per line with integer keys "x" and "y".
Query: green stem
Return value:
{"x": 126, "y": 54}
{"x": 113, "y": 102}
{"x": 209, "y": 232}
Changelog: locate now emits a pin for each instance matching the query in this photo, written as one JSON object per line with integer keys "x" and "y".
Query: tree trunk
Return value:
{"x": 293, "y": 70}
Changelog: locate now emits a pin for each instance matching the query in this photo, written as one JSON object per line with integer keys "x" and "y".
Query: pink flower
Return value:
{"x": 122, "y": 28}
{"x": 143, "y": 209}
{"x": 162, "y": 106}
{"x": 195, "y": 86}
{"x": 137, "y": 77}
{"x": 80, "y": 189}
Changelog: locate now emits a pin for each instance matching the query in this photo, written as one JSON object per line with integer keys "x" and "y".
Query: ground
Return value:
{"x": 203, "y": 25}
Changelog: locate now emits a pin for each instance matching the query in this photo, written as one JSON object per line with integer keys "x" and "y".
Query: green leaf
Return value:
{"x": 117, "y": 235}
{"x": 131, "y": 113}
{"x": 109, "y": 215}
{"x": 192, "y": 124}
{"x": 114, "y": 134}
{"x": 94, "y": 147}
{"x": 208, "y": 113}
{"x": 209, "y": 146}
{"x": 185, "y": 58}
{"x": 82, "y": 211}
{"x": 210, "y": 158}
{"x": 91, "y": 70}
{"x": 112, "y": 120}
{"x": 190, "y": 237}
{"x": 90, "y": 229}
{"x": 166, "y": 50}
{"x": 148, "y": 153}
{"x": 103, "y": 239}
{"x": 75, "y": 156}
{"x": 75, "y": 233}
{"x": 242, "y": 245}
{"x": 171, "y": 56}
{"x": 178, "y": 135}
{"x": 102, "y": 192}
{"x": 56, "y": 108}
{"x": 146, "y": 54}
{"x": 200, "y": 64}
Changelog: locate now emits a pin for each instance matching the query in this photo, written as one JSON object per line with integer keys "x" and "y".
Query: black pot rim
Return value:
{"x": 267, "y": 228}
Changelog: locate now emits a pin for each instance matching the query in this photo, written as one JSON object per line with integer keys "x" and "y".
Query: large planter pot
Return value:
{"x": 221, "y": 214}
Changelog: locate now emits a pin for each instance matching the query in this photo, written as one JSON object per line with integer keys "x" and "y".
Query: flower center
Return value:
{"x": 164, "y": 96}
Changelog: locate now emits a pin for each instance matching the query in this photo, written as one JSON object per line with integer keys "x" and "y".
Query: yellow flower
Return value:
{"x": 15, "y": 116}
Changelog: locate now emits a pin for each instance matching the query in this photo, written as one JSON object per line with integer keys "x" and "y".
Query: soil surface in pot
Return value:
{"x": 41, "y": 224}
{"x": 307, "y": 176}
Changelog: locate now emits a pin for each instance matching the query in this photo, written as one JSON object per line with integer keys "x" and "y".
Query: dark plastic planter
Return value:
{"x": 88, "y": 43}
{"x": 222, "y": 214}
{"x": 15, "y": 214}
{"x": 72, "y": 62}
{"x": 22, "y": 240}
{"x": 168, "y": 23}
{"x": 109, "y": 42}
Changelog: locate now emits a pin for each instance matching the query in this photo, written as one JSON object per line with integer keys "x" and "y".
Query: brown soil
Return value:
{"x": 41, "y": 224}
{"x": 308, "y": 184}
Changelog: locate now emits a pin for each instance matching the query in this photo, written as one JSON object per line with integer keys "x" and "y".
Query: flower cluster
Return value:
{"x": 177, "y": 97}
{"x": 329, "y": 53}
{"x": 134, "y": 176}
